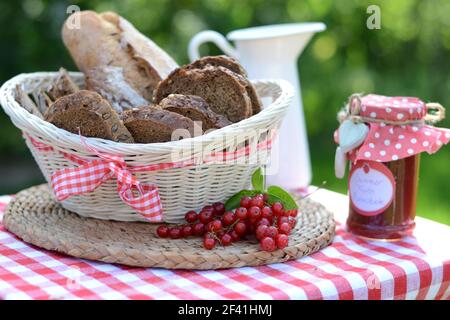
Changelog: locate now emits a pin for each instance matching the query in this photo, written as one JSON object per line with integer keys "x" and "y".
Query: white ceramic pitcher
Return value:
{"x": 272, "y": 52}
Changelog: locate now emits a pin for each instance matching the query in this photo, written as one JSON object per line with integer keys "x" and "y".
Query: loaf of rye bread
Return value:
{"x": 88, "y": 113}
{"x": 223, "y": 90}
{"x": 233, "y": 65}
{"x": 107, "y": 39}
{"x": 110, "y": 83}
{"x": 151, "y": 124}
{"x": 194, "y": 108}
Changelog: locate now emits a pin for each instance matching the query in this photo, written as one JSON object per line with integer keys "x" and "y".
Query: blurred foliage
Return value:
{"x": 409, "y": 55}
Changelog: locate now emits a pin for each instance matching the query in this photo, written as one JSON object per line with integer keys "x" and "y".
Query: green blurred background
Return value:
{"x": 409, "y": 55}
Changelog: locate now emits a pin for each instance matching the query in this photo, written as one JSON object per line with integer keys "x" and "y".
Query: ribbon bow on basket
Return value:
{"x": 67, "y": 182}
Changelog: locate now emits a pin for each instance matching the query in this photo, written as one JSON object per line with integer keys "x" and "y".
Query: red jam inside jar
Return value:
{"x": 397, "y": 220}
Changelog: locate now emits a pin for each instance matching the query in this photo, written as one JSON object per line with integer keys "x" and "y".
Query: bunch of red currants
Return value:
{"x": 271, "y": 224}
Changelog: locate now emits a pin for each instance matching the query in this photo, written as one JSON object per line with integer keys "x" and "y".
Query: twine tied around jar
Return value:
{"x": 351, "y": 111}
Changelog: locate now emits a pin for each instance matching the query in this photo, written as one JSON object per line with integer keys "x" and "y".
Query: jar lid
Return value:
{"x": 398, "y": 128}
{"x": 391, "y": 108}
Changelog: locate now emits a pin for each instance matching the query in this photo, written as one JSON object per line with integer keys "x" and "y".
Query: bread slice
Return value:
{"x": 62, "y": 86}
{"x": 233, "y": 65}
{"x": 26, "y": 102}
{"x": 87, "y": 112}
{"x": 109, "y": 40}
{"x": 223, "y": 90}
{"x": 221, "y": 60}
{"x": 194, "y": 108}
{"x": 152, "y": 124}
{"x": 110, "y": 83}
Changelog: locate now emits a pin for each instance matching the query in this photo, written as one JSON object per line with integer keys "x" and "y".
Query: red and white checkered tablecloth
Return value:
{"x": 415, "y": 268}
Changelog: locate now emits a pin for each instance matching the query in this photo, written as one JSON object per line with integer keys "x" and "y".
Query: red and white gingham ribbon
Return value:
{"x": 142, "y": 197}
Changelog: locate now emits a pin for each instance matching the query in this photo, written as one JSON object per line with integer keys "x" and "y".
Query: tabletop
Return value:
{"x": 417, "y": 267}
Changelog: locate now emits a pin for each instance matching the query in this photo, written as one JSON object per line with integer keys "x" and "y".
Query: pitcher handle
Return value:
{"x": 210, "y": 36}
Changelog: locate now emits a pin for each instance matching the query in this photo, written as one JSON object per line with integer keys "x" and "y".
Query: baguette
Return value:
{"x": 109, "y": 40}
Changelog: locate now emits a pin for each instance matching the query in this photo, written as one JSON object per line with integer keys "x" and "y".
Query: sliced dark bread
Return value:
{"x": 194, "y": 108}
{"x": 233, "y": 65}
{"x": 111, "y": 84}
{"x": 223, "y": 90}
{"x": 62, "y": 86}
{"x": 87, "y": 112}
{"x": 222, "y": 60}
{"x": 152, "y": 124}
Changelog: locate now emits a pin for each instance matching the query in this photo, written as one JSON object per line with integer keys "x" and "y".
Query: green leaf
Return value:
{"x": 234, "y": 201}
{"x": 258, "y": 180}
{"x": 278, "y": 194}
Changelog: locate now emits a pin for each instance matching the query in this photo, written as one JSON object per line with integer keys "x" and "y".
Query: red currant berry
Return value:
{"x": 228, "y": 218}
{"x": 282, "y": 220}
{"x": 292, "y": 213}
{"x": 266, "y": 197}
{"x": 257, "y": 201}
{"x": 284, "y": 228}
{"x": 268, "y": 244}
{"x": 205, "y": 216}
{"x": 241, "y": 213}
{"x": 266, "y": 212}
{"x": 216, "y": 226}
{"x": 277, "y": 208}
{"x": 208, "y": 208}
{"x": 254, "y": 213}
{"x": 261, "y": 232}
{"x": 234, "y": 236}
{"x": 240, "y": 228}
{"x": 191, "y": 216}
{"x": 175, "y": 233}
{"x": 186, "y": 231}
{"x": 209, "y": 242}
{"x": 199, "y": 229}
{"x": 162, "y": 231}
{"x": 263, "y": 222}
{"x": 282, "y": 241}
{"x": 226, "y": 239}
{"x": 219, "y": 208}
{"x": 272, "y": 232}
{"x": 245, "y": 202}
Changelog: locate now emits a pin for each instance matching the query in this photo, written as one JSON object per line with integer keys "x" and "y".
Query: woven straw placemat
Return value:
{"x": 34, "y": 216}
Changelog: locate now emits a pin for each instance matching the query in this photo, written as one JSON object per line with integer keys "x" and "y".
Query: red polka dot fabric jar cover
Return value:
{"x": 383, "y": 138}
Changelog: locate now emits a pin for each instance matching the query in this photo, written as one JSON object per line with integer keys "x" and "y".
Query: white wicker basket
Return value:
{"x": 180, "y": 189}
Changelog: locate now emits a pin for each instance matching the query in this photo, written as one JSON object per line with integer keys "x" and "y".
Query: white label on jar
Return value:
{"x": 371, "y": 188}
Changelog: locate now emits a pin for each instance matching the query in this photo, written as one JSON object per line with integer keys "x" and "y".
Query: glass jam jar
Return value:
{"x": 386, "y": 136}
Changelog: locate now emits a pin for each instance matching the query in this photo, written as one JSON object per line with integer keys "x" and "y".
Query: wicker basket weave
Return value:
{"x": 180, "y": 189}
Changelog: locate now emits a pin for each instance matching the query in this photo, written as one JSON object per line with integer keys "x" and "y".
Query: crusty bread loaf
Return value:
{"x": 26, "y": 102}
{"x": 110, "y": 83}
{"x": 194, "y": 108}
{"x": 223, "y": 90}
{"x": 62, "y": 86}
{"x": 233, "y": 65}
{"x": 87, "y": 112}
{"x": 109, "y": 40}
{"x": 152, "y": 124}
